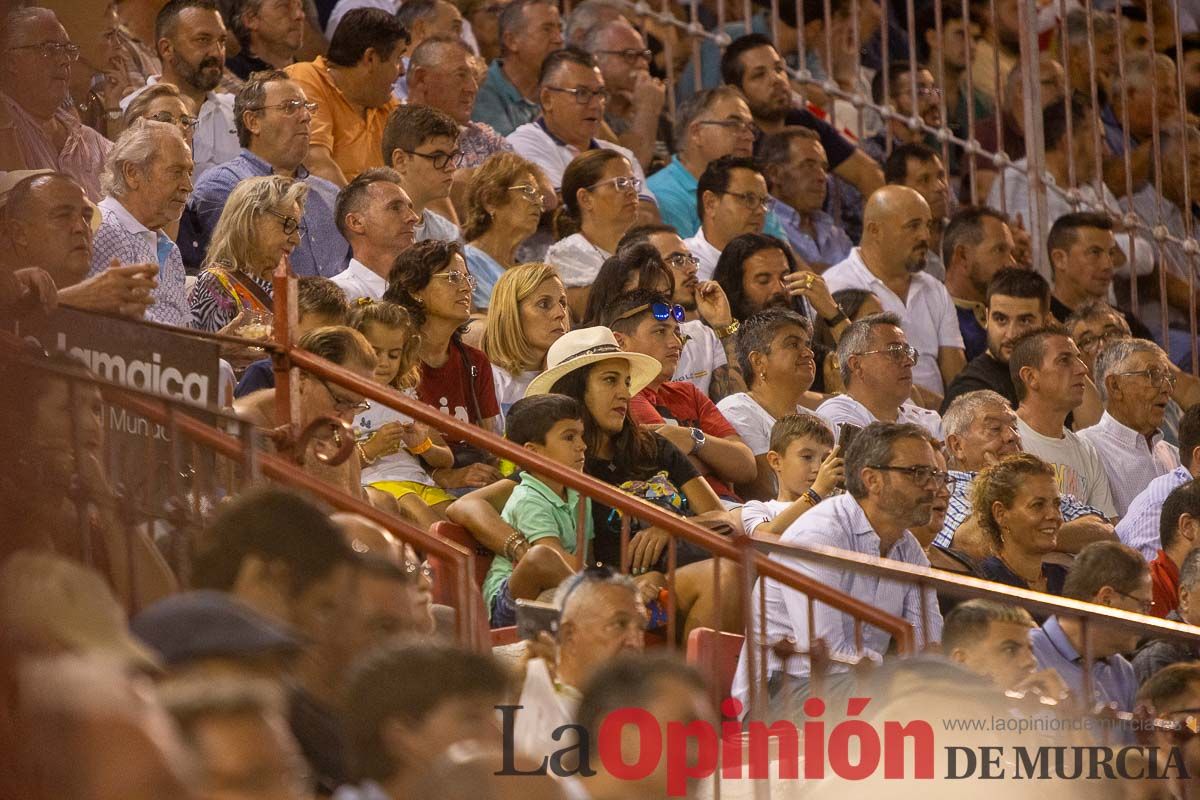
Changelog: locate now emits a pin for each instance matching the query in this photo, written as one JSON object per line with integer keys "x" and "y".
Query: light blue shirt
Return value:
{"x": 500, "y": 104}
{"x": 122, "y": 237}
{"x": 1139, "y": 527}
{"x": 486, "y": 271}
{"x": 675, "y": 190}
{"x": 1113, "y": 680}
{"x": 434, "y": 226}
{"x": 829, "y": 246}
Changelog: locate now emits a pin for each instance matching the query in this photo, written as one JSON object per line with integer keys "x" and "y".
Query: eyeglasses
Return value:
{"x": 682, "y": 261}
{"x": 1146, "y": 604}
{"x": 625, "y": 183}
{"x": 441, "y": 160}
{"x": 531, "y": 193}
{"x": 660, "y": 311}
{"x": 928, "y": 91}
{"x": 921, "y": 476}
{"x": 341, "y": 405}
{"x": 1157, "y": 376}
{"x": 411, "y": 568}
{"x": 631, "y": 55}
{"x": 290, "y": 107}
{"x": 457, "y": 277}
{"x": 898, "y": 353}
{"x": 1087, "y": 341}
{"x": 53, "y": 50}
{"x": 737, "y": 125}
{"x": 290, "y": 223}
{"x": 750, "y": 200}
{"x": 583, "y": 95}
{"x": 188, "y": 123}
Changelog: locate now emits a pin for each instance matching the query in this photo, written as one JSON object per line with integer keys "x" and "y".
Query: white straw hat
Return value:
{"x": 584, "y": 346}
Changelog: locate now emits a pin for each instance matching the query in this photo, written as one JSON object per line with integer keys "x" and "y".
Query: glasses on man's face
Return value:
{"x": 921, "y": 476}
{"x": 441, "y": 160}
{"x": 735, "y": 125}
{"x": 899, "y": 353}
{"x": 583, "y": 95}
{"x": 413, "y": 568}
{"x": 749, "y": 200}
{"x": 929, "y": 92}
{"x": 625, "y": 183}
{"x": 630, "y": 55}
{"x": 290, "y": 107}
{"x": 344, "y": 405}
{"x": 528, "y": 191}
{"x": 682, "y": 261}
{"x": 1144, "y": 603}
{"x": 1157, "y": 377}
{"x": 1089, "y": 342}
{"x": 290, "y": 223}
{"x": 53, "y": 51}
{"x": 458, "y": 278}
{"x": 188, "y": 123}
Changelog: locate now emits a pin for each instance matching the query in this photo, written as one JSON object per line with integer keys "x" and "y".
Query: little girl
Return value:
{"x": 394, "y": 449}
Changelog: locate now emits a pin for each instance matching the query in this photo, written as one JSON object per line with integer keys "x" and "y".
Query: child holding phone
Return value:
{"x": 808, "y": 469}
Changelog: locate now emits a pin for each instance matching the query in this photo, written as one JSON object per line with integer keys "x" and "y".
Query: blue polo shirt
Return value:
{"x": 1113, "y": 679}
{"x": 500, "y": 104}
{"x": 675, "y": 190}
{"x": 973, "y": 333}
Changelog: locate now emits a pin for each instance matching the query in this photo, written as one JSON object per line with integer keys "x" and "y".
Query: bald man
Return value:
{"x": 889, "y": 264}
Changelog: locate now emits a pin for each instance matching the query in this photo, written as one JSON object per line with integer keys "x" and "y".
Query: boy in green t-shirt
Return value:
{"x": 545, "y": 511}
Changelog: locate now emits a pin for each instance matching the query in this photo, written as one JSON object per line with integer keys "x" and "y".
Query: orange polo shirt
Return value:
{"x": 353, "y": 138}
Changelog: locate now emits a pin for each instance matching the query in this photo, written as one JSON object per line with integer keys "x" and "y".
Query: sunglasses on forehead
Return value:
{"x": 660, "y": 311}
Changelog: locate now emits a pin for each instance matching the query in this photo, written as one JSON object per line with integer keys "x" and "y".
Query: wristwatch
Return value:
{"x": 698, "y": 441}
{"x": 836, "y": 319}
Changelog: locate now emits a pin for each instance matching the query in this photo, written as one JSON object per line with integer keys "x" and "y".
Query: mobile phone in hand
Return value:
{"x": 534, "y": 617}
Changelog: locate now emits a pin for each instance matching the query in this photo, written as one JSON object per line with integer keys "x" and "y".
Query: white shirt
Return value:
{"x": 1154, "y": 209}
{"x": 927, "y": 314}
{"x": 702, "y": 354}
{"x": 534, "y": 142}
{"x": 705, "y": 253}
{"x": 215, "y": 139}
{"x": 359, "y": 280}
{"x": 577, "y": 259}
{"x": 756, "y": 512}
{"x": 844, "y": 408}
{"x": 1130, "y": 462}
{"x": 510, "y": 389}
{"x": 1077, "y": 467}
{"x": 399, "y": 466}
{"x": 836, "y": 522}
{"x": 751, "y": 421}
{"x": 1016, "y": 201}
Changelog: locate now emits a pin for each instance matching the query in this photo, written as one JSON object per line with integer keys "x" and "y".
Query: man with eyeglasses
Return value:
{"x": 1173, "y": 693}
{"x": 573, "y": 98}
{"x": 421, "y": 144}
{"x": 191, "y": 45}
{"x": 899, "y": 92}
{"x": 649, "y": 323}
{"x": 529, "y": 31}
{"x": 890, "y": 264}
{"x": 274, "y": 123}
{"x": 892, "y": 478}
{"x": 1135, "y": 382}
{"x": 37, "y": 130}
{"x": 1051, "y": 381}
{"x": 877, "y": 365}
{"x": 636, "y": 98}
{"x": 732, "y": 199}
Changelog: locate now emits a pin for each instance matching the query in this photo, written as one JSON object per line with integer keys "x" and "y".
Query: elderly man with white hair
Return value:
{"x": 980, "y": 429}
{"x": 1135, "y": 382}
{"x": 146, "y": 181}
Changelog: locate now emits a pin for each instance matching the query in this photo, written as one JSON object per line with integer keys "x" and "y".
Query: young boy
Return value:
{"x": 319, "y": 302}
{"x": 807, "y": 468}
{"x": 546, "y": 512}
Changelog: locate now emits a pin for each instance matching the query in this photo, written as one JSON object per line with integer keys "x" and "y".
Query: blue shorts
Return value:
{"x": 503, "y": 612}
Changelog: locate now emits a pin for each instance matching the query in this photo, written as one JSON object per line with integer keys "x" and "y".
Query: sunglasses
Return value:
{"x": 660, "y": 311}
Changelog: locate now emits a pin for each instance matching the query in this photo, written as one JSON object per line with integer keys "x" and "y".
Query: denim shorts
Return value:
{"x": 503, "y": 612}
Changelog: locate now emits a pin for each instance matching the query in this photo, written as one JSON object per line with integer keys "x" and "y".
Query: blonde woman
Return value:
{"x": 528, "y": 314}
{"x": 504, "y": 206}
{"x": 260, "y": 224}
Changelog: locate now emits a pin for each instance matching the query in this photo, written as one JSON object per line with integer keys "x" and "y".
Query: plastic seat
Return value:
{"x": 443, "y": 592}
{"x": 715, "y": 654}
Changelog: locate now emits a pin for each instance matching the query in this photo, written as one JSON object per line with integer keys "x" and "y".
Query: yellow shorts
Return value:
{"x": 431, "y": 495}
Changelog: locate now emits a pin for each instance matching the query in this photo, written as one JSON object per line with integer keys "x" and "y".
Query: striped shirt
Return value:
{"x": 81, "y": 156}
{"x": 1139, "y": 527}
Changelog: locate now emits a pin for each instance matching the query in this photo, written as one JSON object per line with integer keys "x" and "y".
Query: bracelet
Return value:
{"x": 363, "y": 454}
{"x": 728, "y": 330}
{"x": 423, "y": 447}
{"x": 812, "y": 496}
{"x": 511, "y": 544}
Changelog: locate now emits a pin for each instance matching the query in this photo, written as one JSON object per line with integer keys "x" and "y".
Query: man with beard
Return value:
{"x": 753, "y": 65}
{"x": 191, "y": 44}
{"x": 797, "y": 173}
{"x": 919, "y": 167}
{"x": 710, "y": 350}
{"x": 889, "y": 264}
{"x": 891, "y": 480}
{"x": 1018, "y": 301}
{"x": 899, "y": 93}
{"x": 274, "y": 123}
{"x": 269, "y": 33}
{"x": 877, "y": 365}
{"x": 976, "y": 244}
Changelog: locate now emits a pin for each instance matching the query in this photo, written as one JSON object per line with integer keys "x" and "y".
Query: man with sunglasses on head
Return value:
{"x": 274, "y": 124}
{"x": 573, "y": 100}
{"x": 421, "y": 143}
{"x": 649, "y": 323}
{"x": 877, "y": 365}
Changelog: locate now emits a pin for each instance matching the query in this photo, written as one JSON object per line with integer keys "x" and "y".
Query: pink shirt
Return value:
{"x": 25, "y": 145}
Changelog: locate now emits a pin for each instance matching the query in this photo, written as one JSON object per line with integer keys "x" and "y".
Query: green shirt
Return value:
{"x": 539, "y": 513}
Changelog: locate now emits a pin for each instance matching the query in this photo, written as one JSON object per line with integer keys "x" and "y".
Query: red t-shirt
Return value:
{"x": 681, "y": 403}
{"x": 448, "y": 387}
{"x": 1164, "y": 577}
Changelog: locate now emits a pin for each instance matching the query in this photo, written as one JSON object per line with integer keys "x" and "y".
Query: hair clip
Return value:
{"x": 364, "y": 301}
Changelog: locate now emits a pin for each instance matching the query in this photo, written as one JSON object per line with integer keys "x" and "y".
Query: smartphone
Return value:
{"x": 534, "y": 617}
{"x": 846, "y": 436}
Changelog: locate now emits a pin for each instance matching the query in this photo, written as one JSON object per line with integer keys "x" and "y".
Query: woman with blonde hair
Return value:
{"x": 528, "y": 314}
{"x": 260, "y": 224}
{"x": 504, "y": 206}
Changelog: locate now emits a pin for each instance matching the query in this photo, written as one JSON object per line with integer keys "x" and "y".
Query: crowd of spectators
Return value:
{"x": 709, "y": 284}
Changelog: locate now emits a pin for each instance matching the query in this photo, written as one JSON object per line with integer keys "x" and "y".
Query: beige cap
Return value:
{"x": 8, "y": 180}
{"x": 51, "y": 601}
